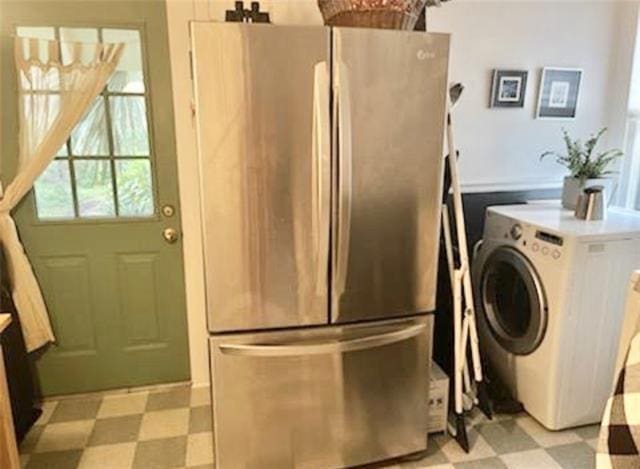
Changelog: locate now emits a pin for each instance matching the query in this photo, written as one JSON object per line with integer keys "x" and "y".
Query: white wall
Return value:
{"x": 179, "y": 13}
{"x": 500, "y": 147}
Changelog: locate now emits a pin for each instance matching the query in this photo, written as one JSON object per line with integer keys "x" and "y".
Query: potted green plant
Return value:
{"x": 587, "y": 169}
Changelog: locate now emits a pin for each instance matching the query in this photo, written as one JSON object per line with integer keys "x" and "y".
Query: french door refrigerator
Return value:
{"x": 321, "y": 161}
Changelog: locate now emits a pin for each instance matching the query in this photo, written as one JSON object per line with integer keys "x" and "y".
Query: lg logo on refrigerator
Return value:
{"x": 425, "y": 54}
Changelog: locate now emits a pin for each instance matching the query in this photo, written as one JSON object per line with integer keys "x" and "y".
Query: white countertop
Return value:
{"x": 551, "y": 216}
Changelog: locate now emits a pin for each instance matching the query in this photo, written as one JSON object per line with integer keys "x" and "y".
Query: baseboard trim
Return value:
{"x": 204, "y": 384}
{"x": 120, "y": 391}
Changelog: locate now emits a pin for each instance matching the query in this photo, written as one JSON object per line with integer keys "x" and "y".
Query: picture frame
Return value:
{"x": 559, "y": 93}
{"x": 508, "y": 88}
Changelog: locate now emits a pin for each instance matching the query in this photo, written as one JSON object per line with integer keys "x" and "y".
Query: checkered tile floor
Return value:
{"x": 171, "y": 428}
{"x": 163, "y": 429}
{"x": 513, "y": 442}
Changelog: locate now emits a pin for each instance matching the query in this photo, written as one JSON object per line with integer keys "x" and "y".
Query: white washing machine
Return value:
{"x": 551, "y": 292}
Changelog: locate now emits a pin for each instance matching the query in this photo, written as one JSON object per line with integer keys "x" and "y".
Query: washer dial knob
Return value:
{"x": 516, "y": 232}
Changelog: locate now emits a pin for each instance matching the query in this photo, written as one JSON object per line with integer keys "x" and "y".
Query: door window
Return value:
{"x": 513, "y": 301}
{"x": 510, "y": 299}
{"x": 104, "y": 170}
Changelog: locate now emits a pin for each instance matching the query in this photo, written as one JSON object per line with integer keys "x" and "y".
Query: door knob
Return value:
{"x": 170, "y": 235}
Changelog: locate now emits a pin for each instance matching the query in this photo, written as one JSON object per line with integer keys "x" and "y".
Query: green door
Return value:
{"x": 99, "y": 226}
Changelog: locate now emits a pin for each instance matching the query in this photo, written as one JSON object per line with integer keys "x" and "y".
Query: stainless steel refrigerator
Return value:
{"x": 321, "y": 161}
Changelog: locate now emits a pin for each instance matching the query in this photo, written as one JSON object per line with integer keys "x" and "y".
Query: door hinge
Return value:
{"x": 192, "y": 103}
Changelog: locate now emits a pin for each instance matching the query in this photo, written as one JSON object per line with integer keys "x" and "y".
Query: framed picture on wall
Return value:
{"x": 508, "y": 88}
{"x": 559, "y": 93}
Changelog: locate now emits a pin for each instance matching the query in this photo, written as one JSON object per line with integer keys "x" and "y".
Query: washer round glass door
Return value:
{"x": 513, "y": 301}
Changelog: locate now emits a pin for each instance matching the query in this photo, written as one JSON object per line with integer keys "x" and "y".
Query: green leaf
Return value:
{"x": 579, "y": 159}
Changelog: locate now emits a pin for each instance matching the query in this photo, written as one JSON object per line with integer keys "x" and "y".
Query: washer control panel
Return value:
{"x": 549, "y": 238}
{"x": 549, "y": 244}
{"x": 516, "y": 232}
{"x": 541, "y": 244}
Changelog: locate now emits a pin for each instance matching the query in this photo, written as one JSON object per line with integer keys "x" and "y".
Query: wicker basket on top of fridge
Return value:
{"x": 385, "y": 14}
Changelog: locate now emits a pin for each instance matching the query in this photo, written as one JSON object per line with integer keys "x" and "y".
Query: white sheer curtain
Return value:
{"x": 54, "y": 95}
{"x": 89, "y": 138}
{"x": 629, "y": 196}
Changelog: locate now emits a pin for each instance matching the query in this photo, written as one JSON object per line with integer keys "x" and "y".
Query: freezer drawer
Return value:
{"x": 321, "y": 398}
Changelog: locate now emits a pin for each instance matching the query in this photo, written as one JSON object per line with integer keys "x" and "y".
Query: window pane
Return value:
{"x": 34, "y": 78}
{"x": 135, "y": 194}
{"x": 126, "y": 81}
{"x": 53, "y": 192}
{"x": 63, "y": 153}
{"x": 94, "y": 187}
{"x": 89, "y": 138}
{"x": 70, "y": 35}
{"x": 128, "y": 76}
{"x": 45, "y": 33}
{"x": 129, "y": 124}
{"x": 40, "y": 32}
{"x": 41, "y": 110}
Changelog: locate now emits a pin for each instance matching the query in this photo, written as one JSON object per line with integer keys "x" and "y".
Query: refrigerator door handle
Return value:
{"x": 320, "y": 348}
{"x": 345, "y": 190}
{"x": 322, "y": 169}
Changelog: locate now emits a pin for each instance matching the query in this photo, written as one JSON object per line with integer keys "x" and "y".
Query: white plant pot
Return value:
{"x": 573, "y": 187}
